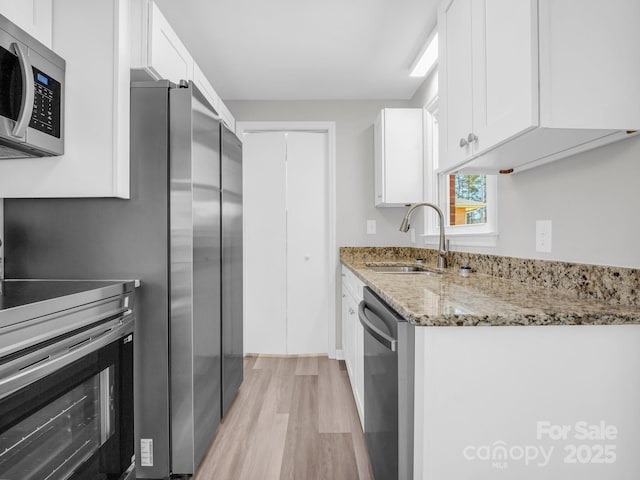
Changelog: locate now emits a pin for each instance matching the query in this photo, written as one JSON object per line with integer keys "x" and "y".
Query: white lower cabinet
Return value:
{"x": 353, "y": 336}
{"x": 527, "y": 403}
{"x": 359, "y": 368}
{"x": 349, "y": 334}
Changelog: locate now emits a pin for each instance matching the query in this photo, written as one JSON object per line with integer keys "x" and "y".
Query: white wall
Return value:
{"x": 354, "y": 162}
{"x": 592, "y": 200}
{"x": 426, "y": 91}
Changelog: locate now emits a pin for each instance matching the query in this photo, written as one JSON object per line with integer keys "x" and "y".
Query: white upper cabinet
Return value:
{"x": 455, "y": 81}
{"x": 205, "y": 87}
{"x": 156, "y": 48}
{"x": 505, "y": 98}
{"x": 227, "y": 116}
{"x": 168, "y": 57}
{"x": 93, "y": 38}
{"x": 210, "y": 94}
{"x": 33, "y": 16}
{"x": 525, "y": 82}
{"x": 399, "y": 158}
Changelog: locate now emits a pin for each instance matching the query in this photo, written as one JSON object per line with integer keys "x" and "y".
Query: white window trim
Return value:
{"x": 484, "y": 235}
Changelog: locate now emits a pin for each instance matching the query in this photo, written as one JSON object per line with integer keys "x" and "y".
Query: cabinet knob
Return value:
{"x": 351, "y": 311}
{"x": 463, "y": 143}
{"x": 472, "y": 138}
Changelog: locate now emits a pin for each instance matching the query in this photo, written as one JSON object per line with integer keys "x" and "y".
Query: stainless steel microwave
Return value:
{"x": 31, "y": 96}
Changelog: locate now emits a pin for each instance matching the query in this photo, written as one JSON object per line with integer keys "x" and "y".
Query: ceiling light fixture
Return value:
{"x": 427, "y": 59}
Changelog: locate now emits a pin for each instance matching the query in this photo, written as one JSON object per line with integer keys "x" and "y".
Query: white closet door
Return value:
{"x": 307, "y": 241}
{"x": 286, "y": 267}
{"x": 264, "y": 205}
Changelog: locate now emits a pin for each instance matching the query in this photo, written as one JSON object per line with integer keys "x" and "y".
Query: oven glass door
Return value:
{"x": 69, "y": 425}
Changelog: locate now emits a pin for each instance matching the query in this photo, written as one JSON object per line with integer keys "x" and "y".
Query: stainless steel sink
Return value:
{"x": 403, "y": 269}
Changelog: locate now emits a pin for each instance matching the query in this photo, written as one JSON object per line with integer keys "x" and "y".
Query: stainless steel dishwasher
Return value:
{"x": 389, "y": 345}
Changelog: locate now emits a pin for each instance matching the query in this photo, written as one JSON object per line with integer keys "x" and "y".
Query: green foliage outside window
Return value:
{"x": 471, "y": 195}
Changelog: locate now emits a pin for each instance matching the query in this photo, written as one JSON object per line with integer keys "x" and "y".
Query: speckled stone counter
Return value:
{"x": 449, "y": 299}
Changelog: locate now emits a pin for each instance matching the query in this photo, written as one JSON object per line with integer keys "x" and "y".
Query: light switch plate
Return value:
{"x": 371, "y": 227}
{"x": 543, "y": 236}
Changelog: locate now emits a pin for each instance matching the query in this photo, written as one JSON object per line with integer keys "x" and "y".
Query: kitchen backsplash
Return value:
{"x": 615, "y": 285}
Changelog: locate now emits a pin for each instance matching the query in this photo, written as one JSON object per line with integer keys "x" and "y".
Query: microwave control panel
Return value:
{"x": 46, "y": 104}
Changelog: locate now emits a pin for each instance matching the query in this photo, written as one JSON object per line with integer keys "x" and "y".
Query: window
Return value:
{"x": 467, "y": 195}
{"x": 468, "y": 201}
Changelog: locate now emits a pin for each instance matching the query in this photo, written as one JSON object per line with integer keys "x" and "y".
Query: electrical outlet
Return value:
{"x": 371, "y": 227}
{"x": 543, "y": 236}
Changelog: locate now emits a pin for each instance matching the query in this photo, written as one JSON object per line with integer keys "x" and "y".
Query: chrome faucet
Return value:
{"x": 442, "y": 251}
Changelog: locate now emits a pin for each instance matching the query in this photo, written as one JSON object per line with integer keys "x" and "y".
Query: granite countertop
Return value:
{"x": 449, "y": 299}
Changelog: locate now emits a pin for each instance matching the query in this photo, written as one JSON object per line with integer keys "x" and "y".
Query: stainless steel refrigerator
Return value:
{"x": 181, "y": 235}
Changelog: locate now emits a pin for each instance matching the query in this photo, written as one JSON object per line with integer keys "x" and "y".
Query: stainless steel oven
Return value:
{"x": 66, "y": 399}
{"x": 31, "y": 96}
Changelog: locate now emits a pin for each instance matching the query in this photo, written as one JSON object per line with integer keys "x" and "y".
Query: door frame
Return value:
{"x": 330, "y": 129}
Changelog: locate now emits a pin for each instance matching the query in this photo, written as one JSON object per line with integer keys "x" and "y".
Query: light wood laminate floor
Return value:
{"x": 294, "y": 419}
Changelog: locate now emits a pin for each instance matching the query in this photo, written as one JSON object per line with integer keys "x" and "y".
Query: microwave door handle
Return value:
{"x": 26, "y": 106}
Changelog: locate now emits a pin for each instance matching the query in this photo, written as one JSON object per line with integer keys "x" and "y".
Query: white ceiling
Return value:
{"x": 305, "y": 49}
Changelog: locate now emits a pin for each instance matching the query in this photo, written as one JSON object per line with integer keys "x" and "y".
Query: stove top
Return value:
{"x": 27, "y": 299}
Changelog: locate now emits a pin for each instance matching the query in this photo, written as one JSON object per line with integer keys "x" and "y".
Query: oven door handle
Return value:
{"x": 26, "y": 105}
{"x": 99, "y": 338}
{"x": 385, "y": 340}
